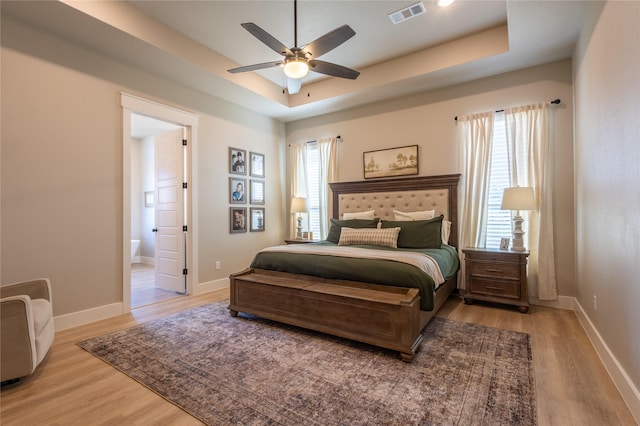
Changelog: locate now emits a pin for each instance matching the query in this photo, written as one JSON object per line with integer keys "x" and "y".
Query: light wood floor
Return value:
{"x": 143, "y": 287}
{"x": 72, "y": 387}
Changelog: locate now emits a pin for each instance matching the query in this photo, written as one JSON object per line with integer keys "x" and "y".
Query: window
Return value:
{"x": 498, "y": 221}
{"x": 313, "y": 189}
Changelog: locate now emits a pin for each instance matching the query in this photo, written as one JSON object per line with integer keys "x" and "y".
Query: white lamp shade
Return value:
{"x": 518, "y": 198}
{"x": 299, "y": 205}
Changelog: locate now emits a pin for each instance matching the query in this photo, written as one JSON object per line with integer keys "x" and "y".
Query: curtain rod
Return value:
{"x": 555, "y": 101}
{"x": 338, "y": 138}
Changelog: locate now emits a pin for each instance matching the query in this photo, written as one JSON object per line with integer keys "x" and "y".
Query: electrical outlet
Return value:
{"x": 218, "y": 265}
{"x": 595, "y": 302}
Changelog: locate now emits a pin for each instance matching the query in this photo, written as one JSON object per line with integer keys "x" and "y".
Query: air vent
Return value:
{"x": 407, "y": 13}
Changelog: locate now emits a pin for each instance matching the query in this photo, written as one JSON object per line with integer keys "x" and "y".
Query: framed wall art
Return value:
{"x": 237, "y": 220}
{"x": 256, "y": 192}
{"x": 256, "y": 164}
{"x": 237, "y": 190}
{"x": 237, "y": 161}
{"x": 402, "y": 161}
{"x": 257, "y": 219}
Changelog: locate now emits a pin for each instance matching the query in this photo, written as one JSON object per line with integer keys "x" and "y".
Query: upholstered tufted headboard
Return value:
{"x": 439, "y": 193}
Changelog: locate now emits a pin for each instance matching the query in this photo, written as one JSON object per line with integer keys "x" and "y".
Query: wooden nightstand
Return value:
{"x": 497, "y": 276}
{"x": 299, "y": 241}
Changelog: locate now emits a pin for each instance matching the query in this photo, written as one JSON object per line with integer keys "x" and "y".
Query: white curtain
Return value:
{"x": 327, "y": 173}
{"x": 298, "y": 160}
{"x": 530, "y": 165}
{"x": 475, "y": 134}
{"x": 328, "y": 155}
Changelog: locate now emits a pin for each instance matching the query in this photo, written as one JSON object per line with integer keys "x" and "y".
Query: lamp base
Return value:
{"x": 517, "y": 243}
{"x": 299, "y": 227}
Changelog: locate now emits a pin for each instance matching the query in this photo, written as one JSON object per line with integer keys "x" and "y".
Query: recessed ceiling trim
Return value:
{"x": 475, "y": 47}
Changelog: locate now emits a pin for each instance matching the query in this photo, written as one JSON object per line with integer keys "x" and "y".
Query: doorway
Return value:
{"x": 157, "y": 196}
{"x": 157, "y": 210}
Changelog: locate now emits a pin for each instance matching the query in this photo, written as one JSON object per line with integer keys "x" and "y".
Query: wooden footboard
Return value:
{"x": 384, "y": 316}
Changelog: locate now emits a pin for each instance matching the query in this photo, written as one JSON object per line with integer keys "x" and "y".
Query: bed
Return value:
{"x": 301, "y": 285}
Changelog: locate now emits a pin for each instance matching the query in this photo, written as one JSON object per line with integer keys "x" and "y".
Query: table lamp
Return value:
{"x": 298, "y": 206}
{"x": 518, "y": 198}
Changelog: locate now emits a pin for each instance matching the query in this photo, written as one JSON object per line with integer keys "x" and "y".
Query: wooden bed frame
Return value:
{"x": 385, "y": 316}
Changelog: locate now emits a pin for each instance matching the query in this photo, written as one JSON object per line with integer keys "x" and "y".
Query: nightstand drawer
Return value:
{"x": 495, "y": 269}
{"x": 492, "y": 256}
{"x": 495, "y": 288}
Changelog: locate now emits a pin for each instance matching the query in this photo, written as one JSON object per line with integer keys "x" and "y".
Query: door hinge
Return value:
{"x": 185, "y": 271}
{"x": 184, "y": 228}
{"x": 184, "y": 142}
{"x": 184, "y": 185}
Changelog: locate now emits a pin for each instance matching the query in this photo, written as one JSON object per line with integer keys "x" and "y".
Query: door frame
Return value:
{"x": 134, "y": 104}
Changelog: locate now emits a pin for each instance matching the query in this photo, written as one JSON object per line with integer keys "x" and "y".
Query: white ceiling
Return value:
{"x": 194, "y": 42}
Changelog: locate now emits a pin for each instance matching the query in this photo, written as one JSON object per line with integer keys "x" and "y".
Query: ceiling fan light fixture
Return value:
{"x": 296, "y": 68}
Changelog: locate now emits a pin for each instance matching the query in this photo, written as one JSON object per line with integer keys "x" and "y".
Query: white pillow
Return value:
{"x": 370, "y": 214}
{"x": 446, "y": 230}
{"x": 387, "y": 237}
{"x": 421, "y": 215}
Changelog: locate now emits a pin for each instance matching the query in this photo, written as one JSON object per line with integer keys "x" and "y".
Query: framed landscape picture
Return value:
{"x": 257, "y": 165}
{"x": 257, "y": 219}
{"x": 237, "y": 190}
{"x": 256, "y": 192}
{"x": 392, "y": 162}
{"x": 237, "y": 161}
{"x": 237, "y": 219}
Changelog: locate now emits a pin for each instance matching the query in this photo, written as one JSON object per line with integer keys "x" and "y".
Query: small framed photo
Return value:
{"x": 257, "y": 164}
{"x": 504, "y": 243}
{"x": 237, "y": 161}
{"x": 257, "y": 219}
{"x": 256, "y": 192}
{"x": 237, "y": 220}
{"x": 237, "y": 190}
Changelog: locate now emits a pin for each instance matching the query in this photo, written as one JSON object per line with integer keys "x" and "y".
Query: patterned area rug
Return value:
{"x": 245, "y": 370}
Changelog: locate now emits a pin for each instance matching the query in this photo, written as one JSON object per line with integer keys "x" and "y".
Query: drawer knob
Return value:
{"x": 494, "y": 270}
{"x": 494, "y": 288}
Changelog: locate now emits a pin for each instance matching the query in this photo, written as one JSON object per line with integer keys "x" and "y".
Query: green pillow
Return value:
{"x": 336, "y": 226}
{"x": 418, "y": 233}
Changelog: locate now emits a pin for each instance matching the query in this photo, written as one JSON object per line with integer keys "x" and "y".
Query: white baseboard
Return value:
{"x": 147, "y": 260}
{"x": 630, "y": 393}
{"x": 563, "y": 302}
{"x": 209, "y": 286}
{"x": 75, "y": 319}
{"x": 63, "y": 322}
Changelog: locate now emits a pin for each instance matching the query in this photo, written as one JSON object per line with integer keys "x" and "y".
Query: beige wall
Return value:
{"x": 607, "y": 152}
{"x": 62, "y": 169}
{"x": 427, "y": 120}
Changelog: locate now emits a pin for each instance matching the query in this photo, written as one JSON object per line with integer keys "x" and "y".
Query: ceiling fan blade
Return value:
{"x": 333, "y": 69}
{"x": 255, "y": 67}
{"x": 293, "y": 85}
{"x": 329, "y": 41}
{"x": 267, "y": 38}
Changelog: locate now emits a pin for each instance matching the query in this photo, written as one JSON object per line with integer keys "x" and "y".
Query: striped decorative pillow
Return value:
{"x": 387, "y": 237}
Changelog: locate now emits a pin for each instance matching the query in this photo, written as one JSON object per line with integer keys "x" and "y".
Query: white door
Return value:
{"x": 169, "y": 207}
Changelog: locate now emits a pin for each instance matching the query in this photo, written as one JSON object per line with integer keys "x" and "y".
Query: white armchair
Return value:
{"x": 26, "y": 326}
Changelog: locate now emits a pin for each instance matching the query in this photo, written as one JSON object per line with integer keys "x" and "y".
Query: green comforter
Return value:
{"x": 376, "y": 271}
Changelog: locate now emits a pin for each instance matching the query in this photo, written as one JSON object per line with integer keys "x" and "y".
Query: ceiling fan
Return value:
{"x": 298, "y": 61}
